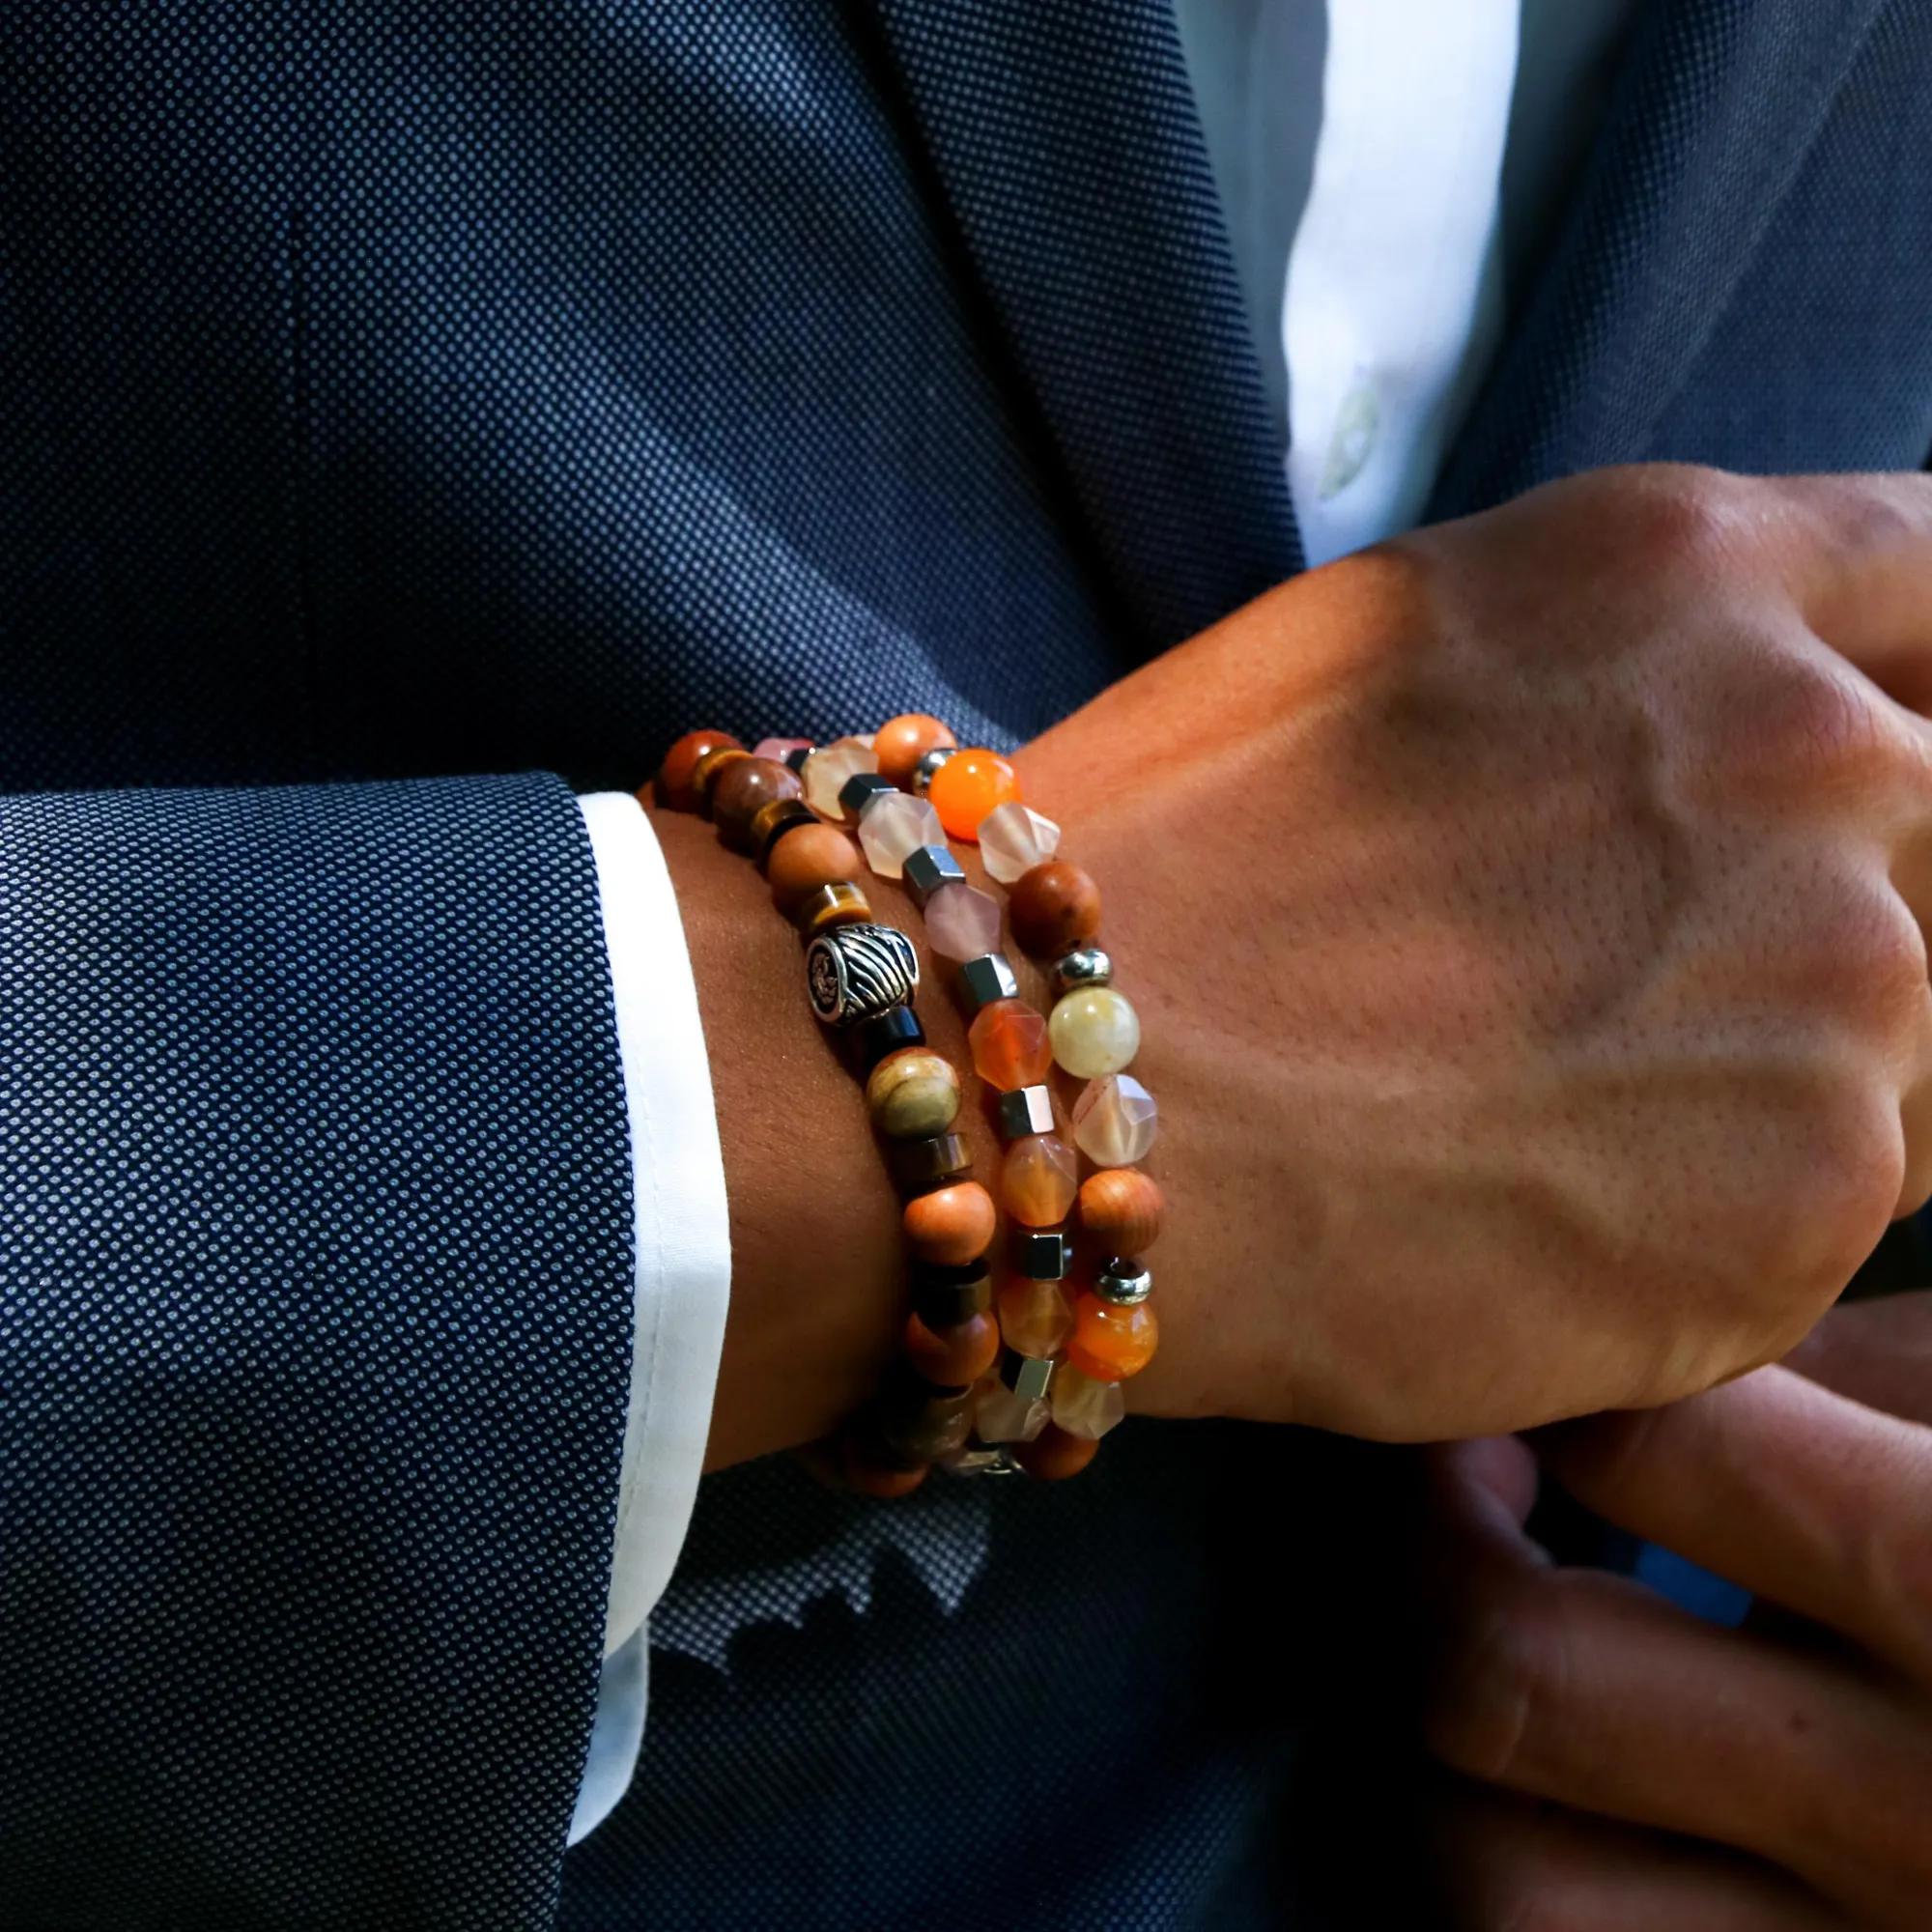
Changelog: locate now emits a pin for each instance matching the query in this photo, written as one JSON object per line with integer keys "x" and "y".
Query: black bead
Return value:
{"x": 871, "y": 1040}
{"x": 920, "y": 1166}
{"x": 943, "y": 1298}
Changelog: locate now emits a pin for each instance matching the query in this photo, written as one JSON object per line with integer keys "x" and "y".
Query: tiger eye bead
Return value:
{"x": 710, "y": 768}
{"x": 1111, "y": 1344}
{"x": 901, "y": 742}
{"x": 1011, "y": 1045}
{"x": 954, "y": 1225}
{"x": 1035, "y": 1316}
{"x": 1039, "y": 1181}
{"x": 954, "y": 1357}
{"x": 913, "y": 1095}
{"x": 831, "y": 906}
{"x": 743, "y": 790}
{"x": 1123, "y": 1210}
{"x": 808, "y": 859}
{"x": 673, "y": 786}
{"x": 1055, "y": 909}
{"x": 1053, "y": 1455}
{"x": 969, "y": 785}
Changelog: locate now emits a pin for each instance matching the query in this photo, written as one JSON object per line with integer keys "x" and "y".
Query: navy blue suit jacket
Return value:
{"x": 402, "y": 393}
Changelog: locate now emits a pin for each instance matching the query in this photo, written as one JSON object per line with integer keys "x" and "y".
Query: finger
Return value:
{"x": 1506, "y": 1862}
{"x": 1877, "y": 1353}
{"x": 1589, "y": 1690}
{"x": 1821, "y": 1504}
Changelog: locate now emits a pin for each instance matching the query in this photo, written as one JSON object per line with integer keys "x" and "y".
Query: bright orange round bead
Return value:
{"x": 967, "y": 787}
{"x": 1111, "y": 1344}
{"x": 900, "y": 743}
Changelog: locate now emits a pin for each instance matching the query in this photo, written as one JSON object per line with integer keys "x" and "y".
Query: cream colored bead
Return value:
{"x": 1083, "y": 1407}
{"x": 826, "y": 772}
{"x": 1005, "y": 1418}
{"x": 1095, "y": 1032}
{"x": 1114, "y": 1121}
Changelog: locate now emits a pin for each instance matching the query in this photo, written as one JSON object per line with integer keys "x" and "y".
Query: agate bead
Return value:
{"x": 673, "y": 786}
{"x": 893, "y": 827}
{"x": 1054, "y": 1456}
{"x": 1114, "y": 1121}
{"x": 1035, "y": 1316}
{"x": 1055, "y": 909}
{"x": 969, "y": 785}
{"x": 1014, "y": 838}
{"x": 1095, "y": 1032}
{"x": 962, "y": 923}
{"x": 1111, "y": 1344}
{"x": 912, "y": 1094}
{"x": 1122, "y": 1209}
{"x": 1039, "y": 1181}
{"x": 901, "y": 742}
{"x": 1002, "y": 1416}
{"x": 1085, "y": 1407}
{"x": 1011, "y": 1045}
{"x": 808, "y": 859}
{"x": 954, "y": 1357}
{"x": 954, "y": 1225}
{"x": 826, "y": 771}
{"x": 743, "y": 790}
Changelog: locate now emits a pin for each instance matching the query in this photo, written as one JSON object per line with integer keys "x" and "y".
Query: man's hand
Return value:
{"x": 1642, "y": 1772}
{"x": 1526, "y": 922}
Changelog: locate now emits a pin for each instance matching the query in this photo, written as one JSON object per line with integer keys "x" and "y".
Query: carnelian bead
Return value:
{"x": 967, "y": 787}
{"x": 1054, "y": 908}
{"x": 954, "y": 1357}
{"x": 808, "y": 859}
{"x": 1123, "y": 1210}
{"x": 1111, "y": 1344}
{"x": 951, "y": 1225}
{"x": 742, "y": 790}
{"x": 1053, "y": 1455}
{"x": 903, "y": 741}
{"x": 675, "y": 786}
{"x": 1036, "y": 1317}
{"x": 1039, "y": 1181}
{"x": 1011, "y": 1046}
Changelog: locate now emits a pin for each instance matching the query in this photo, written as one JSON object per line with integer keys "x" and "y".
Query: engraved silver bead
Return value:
{"x": 929, "y": 867}
{"x": 1125, "y": 1282}
{"x": 1042, "y": 1254}
{"x": 1029, "y": 1376}
{"x": 1089, "y": 966}
{"x": 921, "y": 773}
{"x": 1026, "y": 1110}
{"x": 857, "y": 973}
{"x": 985, "y": 979}
{"x": 858, "y": 791}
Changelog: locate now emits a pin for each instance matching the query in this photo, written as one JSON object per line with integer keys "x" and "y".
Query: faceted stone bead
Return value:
{"x": 954, "y": 1357}
{"x": 1012, "y": 1047}
{"x": 1002, "y": 1416}
{"x": 1035, "y": 1316}
{"x": 1053, "y": 1455}
{"x": 903, "y": 741}
{"x": 912, "y": 1094}
{"x": 1121, "y": 1210}
{"x": 1014, "y": 838}
{"x": 969, "y": 785}
{"x": 892, "y": 826}
{"x": 674, "y": 787}
{"x": 1054, "y": 908}
{"x": 962, "y": 923}
{"x": 776, "y": 748}
{"x": 1111, "y": 1344}
{"x": 1114, "y": 1121}
{"x": 1040, "y": 1181}
{"x": 1085, "y": 1407}
{"x": 1095, "y": 1032}
{"x": 953, "y": 1224}
{"x": 827, "y": 770}
{"x": 807, "y": 858}
{"x": 743, "y": 790}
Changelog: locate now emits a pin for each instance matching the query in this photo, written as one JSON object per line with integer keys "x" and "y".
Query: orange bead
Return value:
{"x": 1111, "y": 1344}
{"x": 967, "y": 787}
{"x": 807, "y": 858}
{"x": 1122, "y": 1210}
{"x": 954, "y": 1357}
{"x": 900, "y": 743}
{"x": 674, "y": 787}
{"x": 952, "y": 1225}
{"x": 1053, "y": 1455}
{"x": 1011, "y": 1046}
{"x": 1054, "y": 908}
{"x": 1039, "y": 1181}
{"x": 1036, "y": 1317}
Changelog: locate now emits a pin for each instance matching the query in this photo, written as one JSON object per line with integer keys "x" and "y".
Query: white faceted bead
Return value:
{"x": 826, "y": 772}
{"x": 1005, "y": 1418}
{"x": 962, "y": 923}
{"x": 1114, "y": 1121}
{"x": 1085, "y": 1407}
{"x": 1014, "y": 838}
{"x": 1095, "y": 1032}
{"x": 894, "y": 824}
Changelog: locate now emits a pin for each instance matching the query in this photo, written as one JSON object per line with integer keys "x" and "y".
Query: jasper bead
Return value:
{"x": 674, "y": 787}
{"x": 1095, "y": 1032}
{"x": 1111, "y": 1344}
{"x": 1035, "y": 1316}
{"x": 1122, "y": 1210}
{"x": 969, "y": 785}
{"x": 1085, "y": 1407}
{"x": 901, "y": 742}
{"x": 1011, "y": 1045}
{"x": 1039, "y": 1181}
{"x": 1114, "y": 1121}
{"x": 913, "y": 1095}
{"x": 954, "y": 1357}
{"x": 1054, "y": 1456}
{"x": 954, "y": 1225}
{"x": 808, "y": 859}
{"x": 1054, "y": 908}
{"x": 742, "y": 788}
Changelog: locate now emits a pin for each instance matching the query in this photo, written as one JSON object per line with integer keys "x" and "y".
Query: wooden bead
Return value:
{"x": 913, "y": 1095}
{"x": 954, "y": 1225}
{"x": 1054, "y": 908}
{"x": 967, "y": 787}
{"x": 1122, "y": 1209}
{"x": 808, "y": 859}
{"x": 901, "y": 742}
{"x": 742, "y": 790}
{"x": 954, "y": 1357}
{"x": 1111, "y": 1344}
{"x": 673, "y": 784}
{"x": 1053, "y": 1455}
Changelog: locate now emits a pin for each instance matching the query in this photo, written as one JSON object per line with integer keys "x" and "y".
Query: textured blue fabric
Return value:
{"x": 395, "y": 390}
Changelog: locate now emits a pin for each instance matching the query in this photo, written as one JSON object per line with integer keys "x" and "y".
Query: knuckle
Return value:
{"x": 1806, "y": 726}
{"x": 1501, "y": 1678}
{"x": 1681, "y": 517}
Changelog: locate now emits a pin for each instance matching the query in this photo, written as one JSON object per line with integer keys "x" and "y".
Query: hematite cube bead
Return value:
{"x": 1125, "y": 1282}
{"x": 986, "y": 980}
{"x": 943, "y": 1298}
{"x": 797, "y": 755}
{"x": 929, "y": 869}
{"x": 871, "y": 1040}
{"x": 1026, "y": 1110}
{"x": 920, "y": 1166}
{"x": 1028, "y": 1377}
{"x": 857, "y": 792}
{"x": 1042, "y": 1254}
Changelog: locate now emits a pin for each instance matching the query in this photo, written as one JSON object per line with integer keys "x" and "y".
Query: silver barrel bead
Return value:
{"x": 857, "y": 973}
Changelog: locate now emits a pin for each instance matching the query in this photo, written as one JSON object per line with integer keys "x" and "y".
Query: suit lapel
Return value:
{"x": 1064, "y": 135}
{"x": 1719, "y": 106}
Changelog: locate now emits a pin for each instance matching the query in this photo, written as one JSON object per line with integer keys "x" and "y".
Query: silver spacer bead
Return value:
{"x": 859, "y": 790}
{"x": 1124, "y": 1282}
{"x": 1024, "y": 1111}
{"x": 982, "y": 1462}
{"x": 928, "y": 868}
{"x": 1087, "y": 967}
{"x": 921, "y": 773}
{"x": 1028, "y": 1377}
{"x": 856, "y": 972}
{"x": 985, "y": 979}
{"x": 1042, "y": 1254}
